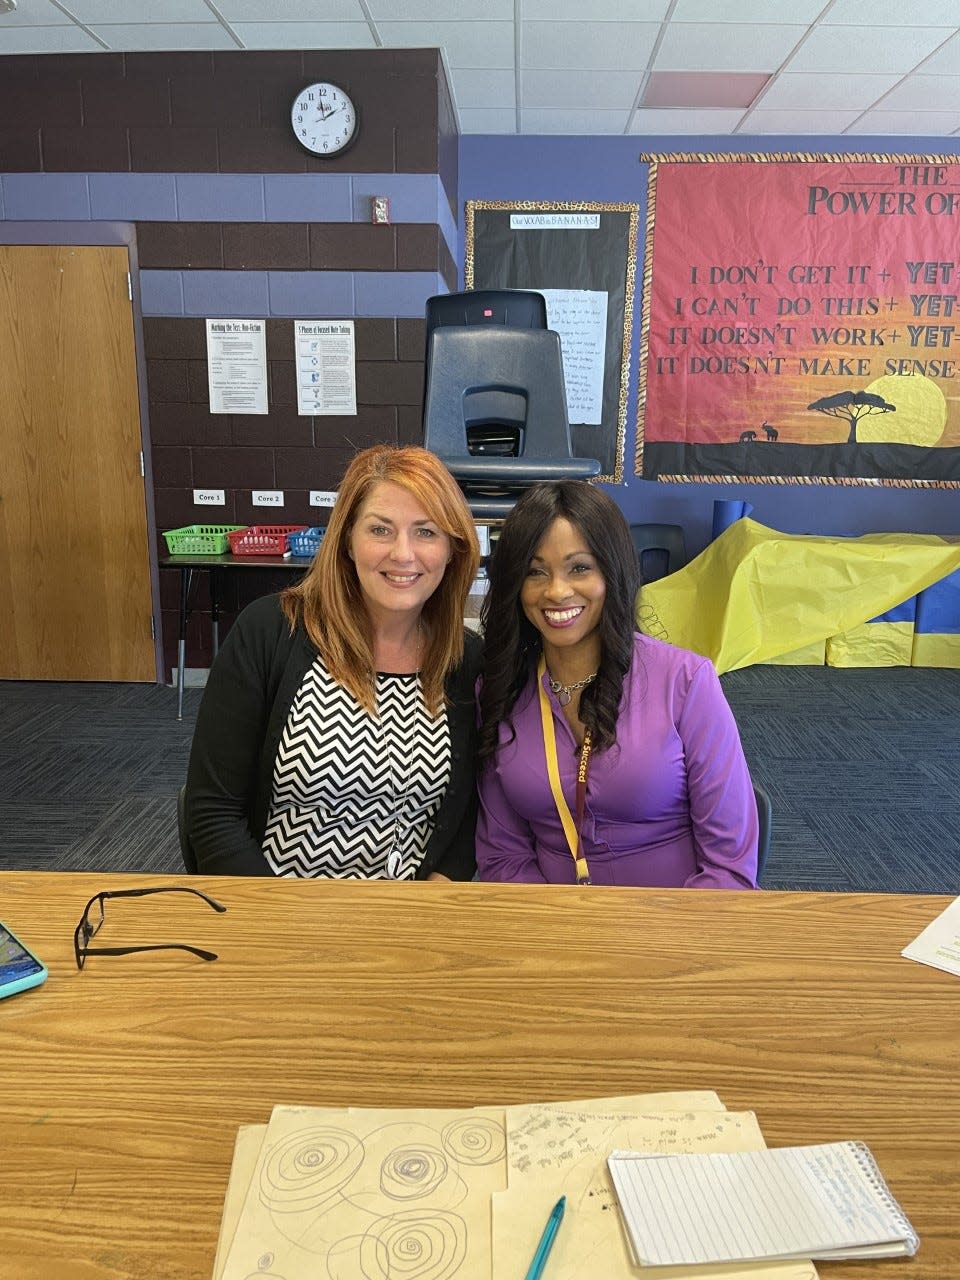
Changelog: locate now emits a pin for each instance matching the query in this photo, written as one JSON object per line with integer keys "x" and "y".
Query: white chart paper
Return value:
{"x": 237, "y": 366}
{"x": 326, "y": 367}
{"x": 580, "y": 318}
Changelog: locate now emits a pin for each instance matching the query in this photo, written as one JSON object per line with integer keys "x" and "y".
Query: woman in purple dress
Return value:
{"x": 606, "y": 756}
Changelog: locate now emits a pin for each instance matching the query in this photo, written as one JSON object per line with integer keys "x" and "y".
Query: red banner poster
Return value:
{"x": 801, "y": 320}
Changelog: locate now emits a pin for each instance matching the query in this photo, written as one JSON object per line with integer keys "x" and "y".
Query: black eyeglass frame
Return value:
{"x": 86, "y": 929}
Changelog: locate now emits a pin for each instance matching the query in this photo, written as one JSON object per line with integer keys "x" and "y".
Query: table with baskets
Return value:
{"x": 215, "y": 548}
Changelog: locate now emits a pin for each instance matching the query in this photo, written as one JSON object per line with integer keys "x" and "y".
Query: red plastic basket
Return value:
{"x": 262, "y": 539}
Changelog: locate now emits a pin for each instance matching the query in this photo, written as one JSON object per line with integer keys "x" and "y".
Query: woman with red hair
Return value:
{"x": 336, "y": 733}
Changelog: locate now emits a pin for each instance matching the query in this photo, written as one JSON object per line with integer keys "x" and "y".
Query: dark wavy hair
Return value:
{"x": 513, "y": 644}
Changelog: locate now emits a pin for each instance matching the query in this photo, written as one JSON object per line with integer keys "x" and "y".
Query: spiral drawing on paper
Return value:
{"x": 474, "y": 1140}
{"x": 409, "y": 1173}
{"x": 414, "y": 1244}
{"x": 308, "y": 1169}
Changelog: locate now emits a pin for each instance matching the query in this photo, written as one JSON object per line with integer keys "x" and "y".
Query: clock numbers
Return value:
{"x": 324, "y": 119}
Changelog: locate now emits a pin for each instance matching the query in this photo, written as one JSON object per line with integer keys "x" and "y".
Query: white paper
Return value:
{"x": 580, "y": 318}
{"x": 326, "y": 367}
{"x": 237, "y": 366}
{"x": 939, "y": 943}
{"x": 824, "y": 1201}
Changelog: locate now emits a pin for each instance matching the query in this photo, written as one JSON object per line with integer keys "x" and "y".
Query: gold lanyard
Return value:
{"x": 572, "y": 830}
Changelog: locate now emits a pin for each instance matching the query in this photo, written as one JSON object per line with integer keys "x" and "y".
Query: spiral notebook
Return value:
{"x": 826, "y": 1201}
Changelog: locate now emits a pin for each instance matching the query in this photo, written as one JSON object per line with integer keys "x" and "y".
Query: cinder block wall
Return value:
{"x": 234, "y": 219}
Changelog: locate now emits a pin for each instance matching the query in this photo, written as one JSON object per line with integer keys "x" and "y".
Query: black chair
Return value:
{"x": 660, "y": 549}
{"x": 496, "y": 413}
{"x": 517, "y": 308}
{"x": 765, "y": 817}
{"x": 186, "y": 849}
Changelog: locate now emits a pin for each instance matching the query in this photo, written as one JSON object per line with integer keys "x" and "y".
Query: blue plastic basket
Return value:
{"x": 306, "y": 542}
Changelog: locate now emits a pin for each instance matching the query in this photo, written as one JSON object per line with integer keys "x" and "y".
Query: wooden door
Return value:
{"x": 75, "y": 599}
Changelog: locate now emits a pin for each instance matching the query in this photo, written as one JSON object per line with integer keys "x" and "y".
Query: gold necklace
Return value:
{"x": 565, "y": 692}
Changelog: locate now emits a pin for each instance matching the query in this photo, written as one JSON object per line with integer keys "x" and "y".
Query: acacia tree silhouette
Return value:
{"x": 852, "y": 405}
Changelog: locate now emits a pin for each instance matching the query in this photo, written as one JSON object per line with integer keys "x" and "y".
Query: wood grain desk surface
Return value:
{"x": 122, "y": 1086}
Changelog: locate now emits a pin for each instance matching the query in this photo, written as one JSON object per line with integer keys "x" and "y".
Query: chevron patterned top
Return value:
{"x": 355, "y": 795}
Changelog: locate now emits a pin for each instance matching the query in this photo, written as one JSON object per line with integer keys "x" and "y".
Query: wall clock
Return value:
{"x": 324, "y": 119}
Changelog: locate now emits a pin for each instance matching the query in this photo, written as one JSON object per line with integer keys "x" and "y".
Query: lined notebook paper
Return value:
{"x": 827, "y": 1201}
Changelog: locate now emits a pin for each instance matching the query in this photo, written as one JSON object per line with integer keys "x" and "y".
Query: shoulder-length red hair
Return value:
{"x": 329, "y": 599}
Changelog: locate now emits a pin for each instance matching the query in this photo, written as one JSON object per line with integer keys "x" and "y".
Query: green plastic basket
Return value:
{"x": 200, "y": 539}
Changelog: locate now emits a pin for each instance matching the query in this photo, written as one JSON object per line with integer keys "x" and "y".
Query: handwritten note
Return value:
{"x": 580, "y": 318}
{"x": 553, "y": 1151}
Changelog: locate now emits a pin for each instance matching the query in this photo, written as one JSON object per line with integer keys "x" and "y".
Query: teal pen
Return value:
{"x": 535, "y": 1270}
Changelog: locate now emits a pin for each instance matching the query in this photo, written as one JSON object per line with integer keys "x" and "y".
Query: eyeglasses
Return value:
{"x": 92, "y": 919}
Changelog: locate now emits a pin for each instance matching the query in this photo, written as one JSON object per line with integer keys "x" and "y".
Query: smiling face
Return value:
{"x": 400, "y": 554}
{"x": 563, "y": 594}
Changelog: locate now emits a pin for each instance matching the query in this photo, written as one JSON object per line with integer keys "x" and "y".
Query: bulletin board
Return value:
{"x": 801, "y": 320}
{"x": 579, "y": 254}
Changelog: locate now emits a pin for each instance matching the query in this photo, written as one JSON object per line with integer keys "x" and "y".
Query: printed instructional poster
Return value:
{"x": 326, "y": 367}
{"x": 237, "y": 366}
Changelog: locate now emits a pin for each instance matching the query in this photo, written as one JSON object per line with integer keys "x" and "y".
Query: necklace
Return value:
{"x": 564, "y": 692}
{"x": 399, "y": 786}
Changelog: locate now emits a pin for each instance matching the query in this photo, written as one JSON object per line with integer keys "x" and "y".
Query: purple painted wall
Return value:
{"x": 602, "y": 168}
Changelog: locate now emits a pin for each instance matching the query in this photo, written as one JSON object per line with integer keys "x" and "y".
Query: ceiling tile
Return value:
{"x": 703, "y": 88}
{"x": 919, "y": 123}
{"x": 751, "y": 11}
{"x": 713, "y": 46}
{"x": 600, "y": 46}
{"x": 924, "y": 93}
{"x": 304, "y": 35}
{"x": 893, "y": 13}
{"x": 466, "y": 44}
{"x": 439, "y": 10}
{"x": 946, "y": 61}
{"x": 484, "y": 89}
{"x": 797, "y": 122}
{"x": 155, "y": 36}
{"x": 33, "y": 13}
{"x": 573, "y": 121}
{"x": 806, "y": 91}
{"x": 128, "y": 12}
{"x": 836, "y": 49}
{"x": 291, "y": 11}
{"x": 651, "y": 121}
{"x": 493, "y": 120}
{"x": 561, "y": 90}
{"x": 600, "y": 10}
{"x": 61, "y": 39}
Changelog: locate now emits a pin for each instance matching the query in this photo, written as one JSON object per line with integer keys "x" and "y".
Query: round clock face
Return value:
{"x": 324, "y": 119}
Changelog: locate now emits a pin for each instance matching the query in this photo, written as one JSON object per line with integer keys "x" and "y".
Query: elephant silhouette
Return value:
{"x": 770, "y": 432}
{"x": 747, "y": 436}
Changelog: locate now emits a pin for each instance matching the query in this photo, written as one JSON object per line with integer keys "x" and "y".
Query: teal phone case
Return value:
{"x": 19, "y": 967}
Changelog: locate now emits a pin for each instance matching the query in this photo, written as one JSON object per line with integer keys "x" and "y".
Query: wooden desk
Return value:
{"x": 214, "y": 565}
{"x": 122, "y": 1086}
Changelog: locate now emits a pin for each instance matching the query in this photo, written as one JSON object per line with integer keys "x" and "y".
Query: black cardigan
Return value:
{"x": 245, "y": 706}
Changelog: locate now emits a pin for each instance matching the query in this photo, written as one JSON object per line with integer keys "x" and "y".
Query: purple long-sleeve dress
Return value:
{"x": 670, "y": 804}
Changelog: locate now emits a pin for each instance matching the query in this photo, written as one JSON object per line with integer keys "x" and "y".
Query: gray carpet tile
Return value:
{"x": 862, "y": 765}
{"x": 133, "y": 835}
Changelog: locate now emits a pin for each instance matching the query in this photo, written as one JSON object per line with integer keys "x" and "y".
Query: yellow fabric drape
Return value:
{"x": 755, "y": 594}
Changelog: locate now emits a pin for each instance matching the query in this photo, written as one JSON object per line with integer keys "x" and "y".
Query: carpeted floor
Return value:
{"x": 863, "y": 767}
